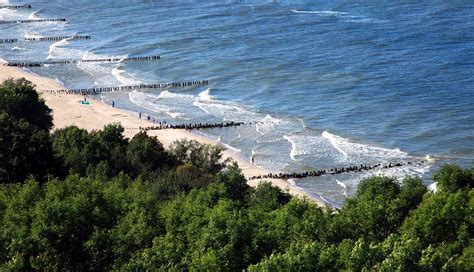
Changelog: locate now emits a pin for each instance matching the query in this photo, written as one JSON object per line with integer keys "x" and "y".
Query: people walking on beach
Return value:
{"x": 140, "y": 115}
{"x": 113, "y": 104}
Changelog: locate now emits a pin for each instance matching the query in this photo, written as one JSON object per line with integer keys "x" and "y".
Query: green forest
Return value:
{"x": 73, "y": 200}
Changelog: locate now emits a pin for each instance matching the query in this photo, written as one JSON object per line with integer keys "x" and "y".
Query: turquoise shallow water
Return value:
{"x": 339, "y": 82}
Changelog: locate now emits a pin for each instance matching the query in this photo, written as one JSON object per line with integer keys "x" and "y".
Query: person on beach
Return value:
{"x": 140, "y": 115}
{"x": 113, "y": 104}
{"x": 253, "y": 159}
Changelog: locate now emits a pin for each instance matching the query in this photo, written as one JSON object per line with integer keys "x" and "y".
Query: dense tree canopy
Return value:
{"x": 95, "y": 201}
{"x": 25, "y": 120}
{"x": 19, "y": 99}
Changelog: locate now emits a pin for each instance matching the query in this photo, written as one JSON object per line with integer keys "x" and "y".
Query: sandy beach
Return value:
{"x": 68, "y": 111}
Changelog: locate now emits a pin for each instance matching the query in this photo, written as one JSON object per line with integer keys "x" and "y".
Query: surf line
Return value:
{"x": 92, "y": 91}
{"x": 32, "y": 21}
{"x": 27, "y": 6}
{"x": 334, "y": 171}
{"x": 8, "y": 40}
{"x": 75, "y": 37}
{"x": 50, "y": 62}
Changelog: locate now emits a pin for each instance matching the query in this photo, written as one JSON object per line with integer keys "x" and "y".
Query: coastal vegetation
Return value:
{"x": 95, "y": 201}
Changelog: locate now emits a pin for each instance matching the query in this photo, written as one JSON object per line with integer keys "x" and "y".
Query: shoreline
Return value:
{"x": 68, "y": 111}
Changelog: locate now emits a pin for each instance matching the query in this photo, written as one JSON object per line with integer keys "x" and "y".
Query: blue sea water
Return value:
{"x": 337, "y": 83}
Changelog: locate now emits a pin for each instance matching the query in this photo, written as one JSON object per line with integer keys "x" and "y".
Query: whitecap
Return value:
{"x": 206, "y": 95}
{"x": 122, "y": 76}
{"x": 32, "y": 36}
{"x": 313, "y": 145}
{"x": 33, "y": 16}
{"x": 94, "y": 68}
{"x": 267, "y": 124}
{"x": 165, "y": 102}
{"x": 228, "y": 111}
{"x": 54, "y": 50}
{"x": 361, "y": 153}
{"x": 320, "y": 12}
{"x": 294, "y": 151}
{"x": 344, "y": 187}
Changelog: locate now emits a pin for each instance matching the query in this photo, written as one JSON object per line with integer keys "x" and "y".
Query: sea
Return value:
{"x": 332, "y": 83}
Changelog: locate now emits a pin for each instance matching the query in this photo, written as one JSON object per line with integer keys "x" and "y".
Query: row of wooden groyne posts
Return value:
{"x": 335, "y": 170}
{"x": 53, "y": 38}
{"x": 32, "y": 20}
{"x": 51, "y": 62}
{"x": 24, "y": 6}
{"x": 99, "y": 90}
{"x": 57, "y": 38}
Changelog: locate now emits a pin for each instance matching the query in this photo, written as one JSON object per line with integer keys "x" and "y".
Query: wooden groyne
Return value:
{"x": 335, "y": 170}
{"x": 59, "y": 38}
{"x": 52, "y": 62}
{"x": 24, "y": 6}
{"x": 32, "y": 21}
{"x": 99, "y": 90}
{"x": 8, "y": 40}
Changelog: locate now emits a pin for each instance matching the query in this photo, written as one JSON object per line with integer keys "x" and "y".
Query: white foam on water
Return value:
{"x": 122, "y": 76}
{"x": 95, "y": 69}
{"x": 314, "y": 145}
{"x": 292, "y": 182}
{"x": 344, "y": 187}
{"x": 332, "y": 139}
{"x": 361, "y": 153}
{"x": 55, "y": 50}
{"x": 16, "y": 48}
{"x": 206, "y": 95}
{"x": 294, "y": 151}
{"x": 33, "y": 15}
{"x": 228, "y": 111}
{"x": 267, "y": 124}
{"x": 32, "y": 36}
{"x": 219, "y": 140}
{"x": 320, "y": 12}
{"x": 343, "y": 16}
{"x": 165, "y": 102}
{"x": 9, "y": 14}
{"x": 235, "y": 149}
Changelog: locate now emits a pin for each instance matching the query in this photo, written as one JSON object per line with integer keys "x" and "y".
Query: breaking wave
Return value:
{"x": 165, "y": 102}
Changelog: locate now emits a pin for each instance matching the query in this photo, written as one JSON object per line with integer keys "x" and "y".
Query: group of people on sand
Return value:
{"x": 331, "y": 171}
{"x": 93, "y": 91}
{"x": 50, "y": 62}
